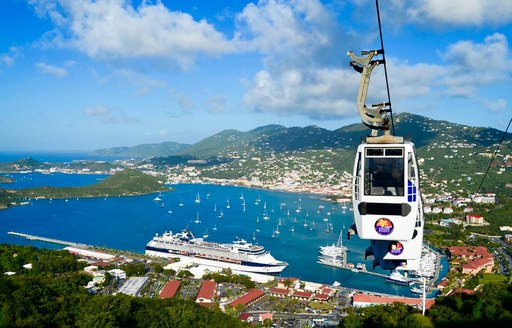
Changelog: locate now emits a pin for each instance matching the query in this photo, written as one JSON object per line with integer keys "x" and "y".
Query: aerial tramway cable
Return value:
{"x": 386, "y": 196}
{"x": 494, "y": 156}
{"x": 385, "y": 67}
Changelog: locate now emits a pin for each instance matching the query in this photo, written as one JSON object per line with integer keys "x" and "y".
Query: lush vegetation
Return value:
{"x": 5, "y": 198}
{"x": 146, "y": 150}
{"x": 51, "y": 295}
{"x": 4, "y": 179}
{"x": 226, "y": 276}
{"x": 22, "y": 165}
{"x": 127, "y": 182}
{"x": 491, "y": 307}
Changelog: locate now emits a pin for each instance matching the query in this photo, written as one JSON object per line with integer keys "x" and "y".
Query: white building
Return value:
{"x": 118, "y": 274}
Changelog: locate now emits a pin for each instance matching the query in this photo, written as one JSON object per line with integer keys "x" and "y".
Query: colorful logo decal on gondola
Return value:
{"x": 384, "y": 226}
{"x": 396, "y": 248}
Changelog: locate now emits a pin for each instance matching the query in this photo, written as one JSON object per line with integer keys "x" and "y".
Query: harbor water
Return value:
{"x": 291, "y": 226}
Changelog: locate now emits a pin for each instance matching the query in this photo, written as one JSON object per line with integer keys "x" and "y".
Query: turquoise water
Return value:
{"x": 128, "y": 223}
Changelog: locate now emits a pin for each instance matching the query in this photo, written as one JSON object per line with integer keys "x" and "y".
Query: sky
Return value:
{"x": 91, "y": 74}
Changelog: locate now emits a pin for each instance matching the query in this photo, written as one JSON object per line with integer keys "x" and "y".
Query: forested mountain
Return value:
{"x": 147, "y": 150}
{"x": 422, "y": 130}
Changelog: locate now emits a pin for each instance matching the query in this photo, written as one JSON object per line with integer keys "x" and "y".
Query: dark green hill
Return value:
{"x": 229, "y": 143}
{"x": 145, "y": 150}
{"x": 124, "y": 183}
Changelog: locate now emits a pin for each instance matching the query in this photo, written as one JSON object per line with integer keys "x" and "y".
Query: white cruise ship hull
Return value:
{"x": 254, "y": 267}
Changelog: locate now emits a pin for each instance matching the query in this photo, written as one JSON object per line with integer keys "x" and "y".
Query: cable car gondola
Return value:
{"x": 386, "y": 196}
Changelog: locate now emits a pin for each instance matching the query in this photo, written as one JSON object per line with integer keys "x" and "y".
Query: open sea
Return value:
{"x": 128, "y": 223}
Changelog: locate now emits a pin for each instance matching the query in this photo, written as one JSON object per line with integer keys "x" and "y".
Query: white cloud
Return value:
{"x": 51, "y": 70}
{"x": 102, "y": 113}
{"x": 472, "y": 65}
{"x": 441, "y": 13}
{"x": 461, "y": 12}
{"x": 300, "y": 42}
{"x": 106, "y": 115}
{"x": 318, "y": 94}
{"x": 217, "y": 104}
{"x": 8, "y": 58}
{"x": 143, "y": 84}
{"x": 495, "y": 106}
{"x": 113, "y": 30}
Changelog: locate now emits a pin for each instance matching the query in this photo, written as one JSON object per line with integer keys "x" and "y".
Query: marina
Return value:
{"x": 127, "y": 223}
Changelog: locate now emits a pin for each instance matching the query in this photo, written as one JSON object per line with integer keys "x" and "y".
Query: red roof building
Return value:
{"x": 324, "y": 289}
{"x": 464, "y": 291}
{"x": 279, "y": 292}
{"x": 301, "y": 295}
{"x": 362, "y": 300}
{"x": 321, "y": 297}
{"x": 206, "y": 292}
{"x": 475, "y": 266}
{"x": 443, "y": 283}
{"x": 170, "y": 289}
{"x": 249, "y": 297}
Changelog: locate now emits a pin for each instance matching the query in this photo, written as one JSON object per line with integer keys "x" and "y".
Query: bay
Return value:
{"x": 128, "y": 223}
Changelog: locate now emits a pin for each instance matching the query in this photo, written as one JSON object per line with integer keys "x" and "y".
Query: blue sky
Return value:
{"x": 89, "y": 74}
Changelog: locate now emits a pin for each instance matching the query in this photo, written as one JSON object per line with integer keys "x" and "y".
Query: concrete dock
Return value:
{"x": 48, "y": 240}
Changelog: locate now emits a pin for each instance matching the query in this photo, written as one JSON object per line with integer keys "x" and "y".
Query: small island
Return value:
{"x": 4, "y": 179}
{"x": 124, "y": 183}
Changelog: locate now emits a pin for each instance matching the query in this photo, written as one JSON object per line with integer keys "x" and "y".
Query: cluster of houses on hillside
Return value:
{"x": 468, "y": 260}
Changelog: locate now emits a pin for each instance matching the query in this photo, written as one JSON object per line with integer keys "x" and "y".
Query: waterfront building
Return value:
{"x": 248, "y": 298}
{"x": 206, "y": 292}
{"x": 363, "y": 300}
{"x": 170, "y": 289}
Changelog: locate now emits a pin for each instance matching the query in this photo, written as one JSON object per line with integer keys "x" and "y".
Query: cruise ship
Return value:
{"x": 240, "y": 255}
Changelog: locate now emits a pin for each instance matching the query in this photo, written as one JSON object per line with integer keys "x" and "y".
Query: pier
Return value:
{"x": 48, "y": 240}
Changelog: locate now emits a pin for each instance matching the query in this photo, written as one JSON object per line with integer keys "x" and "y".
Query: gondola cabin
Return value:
{"x": 385, "y": 194}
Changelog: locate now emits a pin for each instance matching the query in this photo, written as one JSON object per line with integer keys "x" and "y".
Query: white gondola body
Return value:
{"x": 397, "y": 249}
{"x": 386, "y": 199}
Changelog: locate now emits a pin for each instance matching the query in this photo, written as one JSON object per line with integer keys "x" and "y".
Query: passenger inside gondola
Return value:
{"x": 384, "y": 176}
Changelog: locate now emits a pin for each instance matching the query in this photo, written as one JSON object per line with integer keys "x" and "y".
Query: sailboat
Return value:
{"x": 292, "y": 229}
{"x": 335, "y": 249}
{"x": 280, "y": 223}
{"x": 205, "y": 235}
{"x": 227, "y": 204}
{"x": 215, "y": 207}
{"x": 214, "y": 227}
{"x": 197, "y": 220}
{"x": 221, "y": 215}
{"x": 242, "y": 195}
{"x": 169, "y": 211}
{"x": 181, "y": 203}
{"x": 257, "y": 219}
{"x": 198, "y": 199}
{"x": 277, "y": 230}
{"x": 254, "y": 235}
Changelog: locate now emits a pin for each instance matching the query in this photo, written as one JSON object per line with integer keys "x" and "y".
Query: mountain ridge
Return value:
{"x": 275, "y": 138}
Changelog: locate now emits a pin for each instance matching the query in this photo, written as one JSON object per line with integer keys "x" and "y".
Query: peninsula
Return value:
{"x": 124, "y": 183}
